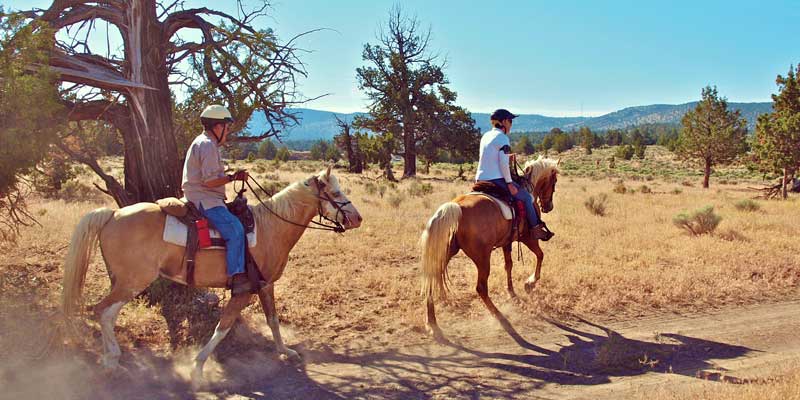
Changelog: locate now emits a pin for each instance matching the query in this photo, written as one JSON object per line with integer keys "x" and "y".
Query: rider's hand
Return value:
{"x": 240, "y": 175}
{"x": 513, "y": 189}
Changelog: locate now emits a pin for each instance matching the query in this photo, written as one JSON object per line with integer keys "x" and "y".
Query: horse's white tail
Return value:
{"x": 435, "y": 243}
{"x": 80, "y": 252}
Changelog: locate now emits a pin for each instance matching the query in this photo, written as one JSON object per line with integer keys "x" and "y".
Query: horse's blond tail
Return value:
{"x": 435, "y": 244}
{"x": 80, "y": 252}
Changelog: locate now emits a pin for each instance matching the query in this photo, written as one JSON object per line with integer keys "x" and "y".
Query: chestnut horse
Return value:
{"x": 474, "y": 224}
{"x": 135, "y": 255}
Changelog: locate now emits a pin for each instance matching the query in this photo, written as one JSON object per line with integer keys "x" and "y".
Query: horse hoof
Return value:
{"x": 436, "y": 333}
{"x": 110, "y": 363}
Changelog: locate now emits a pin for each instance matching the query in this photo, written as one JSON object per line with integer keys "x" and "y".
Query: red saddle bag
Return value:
{"x": 203, "y": 234}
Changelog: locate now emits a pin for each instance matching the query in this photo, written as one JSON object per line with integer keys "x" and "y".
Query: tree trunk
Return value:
{"x": 409, "y": 148}
{"x": 151, "y": 153}
{"x": 786, "y": 180}
{"x": 706, "y": 173}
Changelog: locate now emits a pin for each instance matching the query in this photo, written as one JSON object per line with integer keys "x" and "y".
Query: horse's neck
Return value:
{"x": 296, "y": 210}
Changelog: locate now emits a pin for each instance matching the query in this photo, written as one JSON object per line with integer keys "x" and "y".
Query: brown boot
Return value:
{"x": 240, "y": 284}
{"x": 540, "y": 232}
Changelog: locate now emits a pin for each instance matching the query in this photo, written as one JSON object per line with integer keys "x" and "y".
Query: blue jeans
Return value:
{"x": 232, "y": 231}
{"x": 524, "y": 196}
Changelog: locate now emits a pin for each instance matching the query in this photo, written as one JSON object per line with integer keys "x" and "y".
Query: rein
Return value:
{"x": 336, "y": 227}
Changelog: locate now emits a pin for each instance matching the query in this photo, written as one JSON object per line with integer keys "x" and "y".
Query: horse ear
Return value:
{"x": 328, "y": 173}
{"x": 558, "y": 163}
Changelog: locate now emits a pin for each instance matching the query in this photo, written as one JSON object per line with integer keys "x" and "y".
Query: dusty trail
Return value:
{"x": 548, "y": 360}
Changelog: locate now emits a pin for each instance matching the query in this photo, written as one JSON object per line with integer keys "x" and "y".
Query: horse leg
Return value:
{"x": 530, "y": 283}
{"x": 483, "y": 262}
{"x": 267, "y": 297}
{"x": 107, "y": 311}
{"x": 509, "y": 265}
{"x": 230, "y": 313}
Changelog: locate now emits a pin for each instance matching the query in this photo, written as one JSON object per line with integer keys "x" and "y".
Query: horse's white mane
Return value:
{"x": 540, "y": 166}
{"x": 289, "y": 201}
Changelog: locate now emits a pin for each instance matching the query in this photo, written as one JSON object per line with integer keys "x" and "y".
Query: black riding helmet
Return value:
{"x": 502, "y": 114}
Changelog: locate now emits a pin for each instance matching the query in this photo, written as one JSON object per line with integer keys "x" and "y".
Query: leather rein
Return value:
{"x": 321, "y": 195}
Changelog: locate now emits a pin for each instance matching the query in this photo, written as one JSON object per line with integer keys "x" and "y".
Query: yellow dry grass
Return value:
{"x": 361, "y": 288}
{"x": 783, "y": 386}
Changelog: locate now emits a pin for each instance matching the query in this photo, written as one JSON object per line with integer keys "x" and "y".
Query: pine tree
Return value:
{"x": 711, "y": 133}
{"x": 777, "y": 141}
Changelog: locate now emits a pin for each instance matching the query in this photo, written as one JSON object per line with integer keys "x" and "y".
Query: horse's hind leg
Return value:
{"x": 483, "y": 262}
{"x": 509, "y": 264}
{"x": 107, "y": 311}
{"x": 267, "y": 297}
{"x": 430, "y": 321}
{"x": 229, "y": 315}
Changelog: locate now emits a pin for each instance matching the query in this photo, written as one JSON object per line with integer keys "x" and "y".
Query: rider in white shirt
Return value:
{"x": 493, "y": 167}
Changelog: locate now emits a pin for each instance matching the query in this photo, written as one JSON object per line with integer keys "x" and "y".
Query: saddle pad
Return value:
{"x": 175, "y": 232}
{"x": 504, "y": 208}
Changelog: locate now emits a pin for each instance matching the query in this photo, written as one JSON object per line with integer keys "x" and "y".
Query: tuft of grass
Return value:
{"x": 676, "y": 191}
{"x": 732, "y": 235}
{"x": 645, "y": 189}
{"x": 699, "y": 222}
{"x": 619, "y": 187}
{"x": 395, "y": 199}
{"x": 747, "y": 205}
{"x": 371, "y": 188}
{"x": 417, "y": 189}
{"x": 596, "y": 205}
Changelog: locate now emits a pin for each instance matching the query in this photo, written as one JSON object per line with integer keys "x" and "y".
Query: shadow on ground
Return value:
{"x": 246, "y": 366}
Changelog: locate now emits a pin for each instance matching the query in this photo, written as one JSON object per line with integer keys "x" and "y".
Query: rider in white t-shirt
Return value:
{"x": 493, "y": 166}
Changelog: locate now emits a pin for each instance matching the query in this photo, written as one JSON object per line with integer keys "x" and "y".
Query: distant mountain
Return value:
{"x": 317, "y": 124}
{"x": 664, "y": 114}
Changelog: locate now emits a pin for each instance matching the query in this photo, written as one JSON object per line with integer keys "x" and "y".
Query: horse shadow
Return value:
{"x": 458, "y": 370}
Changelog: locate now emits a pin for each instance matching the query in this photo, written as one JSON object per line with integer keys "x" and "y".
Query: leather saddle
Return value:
{"x": 187, "y": 213}
{"x": 517, "y": 209}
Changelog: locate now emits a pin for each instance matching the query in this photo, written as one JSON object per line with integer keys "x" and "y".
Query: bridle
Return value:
{"x": 321, "y": 195}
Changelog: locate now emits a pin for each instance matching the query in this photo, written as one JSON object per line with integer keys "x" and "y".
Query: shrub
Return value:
{"x": 74, "y": 190}
{"x": 620, "y": 188}
{"x": 677, "y": 191}
{"x": 732, "y": 236}
{"x": 645, "y": 189}
{"x": 699, "y": 222}
{"x": 370, "y": 188}
{"x": 417, "y": 189}
{"x": 596, "y": 205}
{"x": 395, "y": 199}
{"x": 747, "y": 205}
{"x": 687, "y": 183}
{"x": 381, "y": 190}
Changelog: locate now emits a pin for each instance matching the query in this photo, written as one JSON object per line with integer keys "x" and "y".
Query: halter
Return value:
{"x": 336, "y": 227}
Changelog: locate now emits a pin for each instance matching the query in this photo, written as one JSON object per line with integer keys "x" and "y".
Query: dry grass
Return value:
{"x": 784, "y": 386}
{"x": 361, "y": 288}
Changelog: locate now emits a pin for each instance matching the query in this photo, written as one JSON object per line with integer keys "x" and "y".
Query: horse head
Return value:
{"x": 333, "y": 204}
{"x": 542, "y": 174}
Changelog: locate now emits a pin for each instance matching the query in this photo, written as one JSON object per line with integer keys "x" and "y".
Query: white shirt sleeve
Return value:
{"x": 502, "y": 159}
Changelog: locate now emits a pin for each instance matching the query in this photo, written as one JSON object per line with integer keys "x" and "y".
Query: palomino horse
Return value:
{"x": 135, "y": 255}
{"x": 474, "y": 224}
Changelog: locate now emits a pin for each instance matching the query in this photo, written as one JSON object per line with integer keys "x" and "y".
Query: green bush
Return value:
{"x": 395, "y": 199}
{"x": 596, "y": 205}
{"x": 747, "y": 205}
{"x": 417, "y": 189}
{"x": 370, "y": 188}
{"x": 620, "y": 188}
{"x": 698, "y": 222}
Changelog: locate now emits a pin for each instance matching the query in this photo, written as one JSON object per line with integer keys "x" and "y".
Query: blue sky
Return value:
{"x": 554, "y": 58}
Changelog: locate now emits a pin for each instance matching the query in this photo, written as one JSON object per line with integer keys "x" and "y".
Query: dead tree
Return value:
{"x": 231, "y": 62}
{"x": 349, "y": 145}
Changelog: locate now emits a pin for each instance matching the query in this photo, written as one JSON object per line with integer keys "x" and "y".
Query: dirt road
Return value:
{"x": 544, "y": 360}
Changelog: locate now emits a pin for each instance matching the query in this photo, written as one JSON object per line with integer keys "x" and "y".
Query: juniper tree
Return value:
{"x": 711, "y": 133}
{"x": 777, "y": 141}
